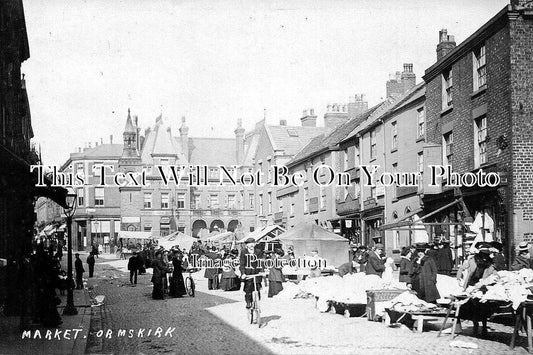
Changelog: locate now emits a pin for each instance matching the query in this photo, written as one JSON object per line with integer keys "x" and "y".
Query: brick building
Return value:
{"x": 276, "y": 145}
{"x": 17, "y": 185}
{"x": 97, "y": 216}
{"x": 479, "y": 101}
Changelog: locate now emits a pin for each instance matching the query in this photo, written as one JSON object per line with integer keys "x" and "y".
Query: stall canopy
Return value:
{"x": 134, "y": 235}
{"x": 264, "y": 234}
{"x": 306, "y": 236}
{"x": 176, "y": 239}
{"x": 222, "y": 238}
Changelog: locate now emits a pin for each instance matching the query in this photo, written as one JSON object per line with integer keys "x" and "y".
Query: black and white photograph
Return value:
{"x": 266, "y": 177}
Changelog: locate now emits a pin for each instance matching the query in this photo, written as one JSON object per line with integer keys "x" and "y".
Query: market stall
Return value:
{"x": 130, "y": 239}
{"x": 306, "y": 236}
{"x": 176, "y": 239}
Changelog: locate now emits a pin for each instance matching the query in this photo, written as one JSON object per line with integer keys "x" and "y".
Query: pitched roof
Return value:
{"x": 159, "y": 141}
{"x": 388, "y": 107}
{"x": 212, "y": 151}
{"x": 291, "y": 139}
{"x": 325, "y": 141}
{"x": 102, "y": 151}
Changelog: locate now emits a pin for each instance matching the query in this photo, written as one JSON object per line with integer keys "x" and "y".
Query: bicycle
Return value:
{"x": 189, "y": 283}
{"x": 254, "y": 313}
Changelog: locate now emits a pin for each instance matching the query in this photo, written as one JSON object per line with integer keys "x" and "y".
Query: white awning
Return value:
{"x": 134, "y": 235}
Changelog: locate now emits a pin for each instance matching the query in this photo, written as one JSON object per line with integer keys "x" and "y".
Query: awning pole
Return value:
{"x": 438, "y": 210}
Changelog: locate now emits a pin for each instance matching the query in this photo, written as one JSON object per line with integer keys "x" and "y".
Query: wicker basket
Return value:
{"x": 375, "y": 296}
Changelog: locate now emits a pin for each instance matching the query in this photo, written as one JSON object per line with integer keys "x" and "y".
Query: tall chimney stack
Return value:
{"x": 308, "y": 118}
{"x": 446, "y": 44}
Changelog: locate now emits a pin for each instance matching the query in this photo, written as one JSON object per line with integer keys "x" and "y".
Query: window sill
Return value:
{"x": 446, "y": 110}
{"x": 420, "y": 139}
{"x": 478, "y": 92}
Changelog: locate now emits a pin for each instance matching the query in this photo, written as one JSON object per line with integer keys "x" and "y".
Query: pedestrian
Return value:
{"x": 78, "y": 265}
{"x": 428, "y": 277}
{"x": 275, "y": 276}
{"x": 90, "y": 262}
{"x": 405, "y": 265}
{"x": 249, "y": 267}
{"x": 361, "y": 256}
{"x": 387, "y": 273}
{"x": 94, "y": 249}
{"x": 230, "y": 281}
{"x": 133, "y": 267}
{"x": 177, "y": 284}
{"x": 523, "y": 258}
{"x": 159, "y": 271}
{"x": 444, "y": 259}
{"x": 375, "y": 264}
{"x": 211, "y": 273}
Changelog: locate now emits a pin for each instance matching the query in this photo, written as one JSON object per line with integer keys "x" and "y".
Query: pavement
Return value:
{"x": 69, "y": 338}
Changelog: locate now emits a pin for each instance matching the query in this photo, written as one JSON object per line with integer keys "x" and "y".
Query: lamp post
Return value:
{"x": 69, "y": 309}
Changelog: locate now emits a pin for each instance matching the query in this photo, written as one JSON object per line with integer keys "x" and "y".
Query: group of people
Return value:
{"x": 167, "y": 273}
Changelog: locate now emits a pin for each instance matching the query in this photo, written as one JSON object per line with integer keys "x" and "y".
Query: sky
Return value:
{"x": 217, "y": 61}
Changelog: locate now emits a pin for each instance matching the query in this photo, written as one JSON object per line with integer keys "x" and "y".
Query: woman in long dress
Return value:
{"x": 177, "y": 284}
{"x": 230, "y": 281}
{"x": 275, "y": 276}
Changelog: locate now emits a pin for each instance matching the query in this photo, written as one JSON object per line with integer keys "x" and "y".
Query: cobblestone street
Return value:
{"x": 197, "y": 330}
{"x": 214, "y": 322}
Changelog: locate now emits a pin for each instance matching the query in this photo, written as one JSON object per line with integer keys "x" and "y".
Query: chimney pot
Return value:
{"x": 110, "y": 139}
{"x": 282, "y": 122}
{"x": 312, "y": 112}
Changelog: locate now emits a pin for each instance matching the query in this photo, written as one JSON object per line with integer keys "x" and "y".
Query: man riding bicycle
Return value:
{"x": 249, "y": 265}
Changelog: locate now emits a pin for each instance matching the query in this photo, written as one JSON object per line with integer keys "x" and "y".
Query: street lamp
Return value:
{"x": 69, "y": 212}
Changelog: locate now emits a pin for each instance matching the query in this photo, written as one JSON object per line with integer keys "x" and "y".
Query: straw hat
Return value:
{"x": 523, "y": 246}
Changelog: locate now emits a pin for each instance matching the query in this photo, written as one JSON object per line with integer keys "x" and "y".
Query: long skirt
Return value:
{"x": 230, "y": 284}
{"x": 157, "y": 293}
{"x": 274, "y": 287}
{"x": 177, "y": 285}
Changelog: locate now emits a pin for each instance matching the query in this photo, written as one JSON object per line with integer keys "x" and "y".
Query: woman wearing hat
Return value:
{"x": 275, "y": 276}
{"x": 523, "y": 258}
{"x": 229, "y": 280}
{"x": 424, "y": 279}
{"x": 480, "y": 266}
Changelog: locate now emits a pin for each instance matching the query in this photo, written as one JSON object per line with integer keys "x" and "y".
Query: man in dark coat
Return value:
{"x": 361, "y": 256}
{"x": 133, "y": 267}
{"x": 375, "y": 264}
{"x": 90, "y": 262}
{"x": 211, "y": 273}
{"x": 248, "y": 266}
{"x": 275, "y": 276}
{"x": 444, "y": 259}
{"x": 159, "y": 272}
{"x": 78, "y": 265}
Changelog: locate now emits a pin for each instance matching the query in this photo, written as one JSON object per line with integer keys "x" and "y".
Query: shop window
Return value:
{"x": 421, "y": 121}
